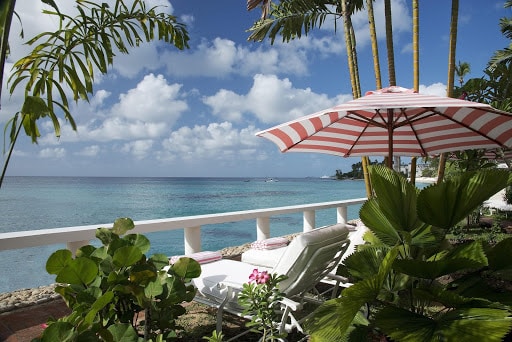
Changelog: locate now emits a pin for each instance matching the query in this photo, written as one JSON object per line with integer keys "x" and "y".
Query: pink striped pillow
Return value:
{"x": 200, "y": 257}
{"x": 272, "y": 243}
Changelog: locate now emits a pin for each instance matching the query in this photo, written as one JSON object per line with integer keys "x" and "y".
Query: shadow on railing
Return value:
{"x": 75, "y": 237}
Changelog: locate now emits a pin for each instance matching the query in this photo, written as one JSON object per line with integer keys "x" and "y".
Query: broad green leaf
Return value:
{"x": 153, "y": 289}
{"x": 365, "y": 263}
{"x": 378, "y": 223}
{"x": 58, "y": 260}
{"x": 140, "y": 241}
{"x": 126, "y": 256}
{"x": 98, "y": 305}
{"x": 186, "y": 268}
{"x": 445, "y": 204}
{"x": 105, "y": 235}
{"x": 396, "y": 197}
{"x": 122, "y": 225}
{"x": 80, "y": 271}
{"x": 500, "y": 259}
{"x": 85, "y": 251}
{"x": 463, "y": 257}
{"x": 59, "y": 331}
{"x": 473, "y": 324}
{"x": 142, "y": 274}
{"x": 159, "y": 260}
{"x": 332, "y": 320}
{"x": 123, "y": 332}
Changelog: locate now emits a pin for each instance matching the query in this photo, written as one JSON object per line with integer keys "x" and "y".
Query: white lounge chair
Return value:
{"x": 305, "y": 261}
{"x": 270, "y": 257}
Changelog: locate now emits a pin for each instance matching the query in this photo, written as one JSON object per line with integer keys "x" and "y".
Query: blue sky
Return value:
{"x": 165, "y": 112}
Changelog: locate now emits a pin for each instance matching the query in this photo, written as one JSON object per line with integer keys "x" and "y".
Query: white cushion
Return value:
{"x": 267, "y": 258}
{"x": 272, "y": 243}
{"x": 223, "y": 271}
{"x": 201, "y": 257}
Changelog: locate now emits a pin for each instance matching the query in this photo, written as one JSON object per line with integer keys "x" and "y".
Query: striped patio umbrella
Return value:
{"x": 396, "y": 121}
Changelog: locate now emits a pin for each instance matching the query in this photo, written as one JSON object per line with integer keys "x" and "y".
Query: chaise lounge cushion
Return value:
{"x": 269, "y": 258}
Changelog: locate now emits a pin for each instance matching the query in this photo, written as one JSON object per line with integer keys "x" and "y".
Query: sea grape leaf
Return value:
{"x": 140, "y": 241}
{"x": 153, "y": 289}
{"x": 99, "y": 304}
{"x": 59, "y": 331}
{"x": 123, "y": 332}
{"x": 159, "y": 260}
{"x": 81, "y": 271}
{"x": 58, "y": 260}
{"x": 126, "y": 256}
{"x": 186, "y": 268}
{"x": 122, "y": 225}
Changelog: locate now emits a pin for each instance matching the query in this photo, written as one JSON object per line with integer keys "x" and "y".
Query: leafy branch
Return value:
{"x": 65, "y": 61}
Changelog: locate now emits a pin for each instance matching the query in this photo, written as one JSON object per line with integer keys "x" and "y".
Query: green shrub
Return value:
{"x": 418, "y": 286}
{"x": 109, "y": 286}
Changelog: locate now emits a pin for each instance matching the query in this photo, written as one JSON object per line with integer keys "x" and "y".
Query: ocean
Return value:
{"x": 30, "y": 203}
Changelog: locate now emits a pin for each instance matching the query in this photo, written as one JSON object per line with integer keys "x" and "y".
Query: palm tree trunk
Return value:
{"x": 416, "y": 66}
{"x": 350, "y": 44}
{"x": 349, "y": 47}
{"x": 389, "y": 43}
{"x": 451, "y": 74}
{"x": 375, "y": 48}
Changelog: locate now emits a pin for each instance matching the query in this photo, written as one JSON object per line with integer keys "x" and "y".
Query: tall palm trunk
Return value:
{"x": 378, "y": 83}
{"x": 6, "y": 12}
{"x": 391, "y": 63}
{"x": 350, "y": 44}
{"x": 451, "y": 74}
{"x": 375, "y": 47}
{"x": 389, "y": 43}
{"x": 416, "y": 66}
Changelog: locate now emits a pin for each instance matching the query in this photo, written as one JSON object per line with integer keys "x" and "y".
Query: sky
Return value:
{"x": 163, "y": 112}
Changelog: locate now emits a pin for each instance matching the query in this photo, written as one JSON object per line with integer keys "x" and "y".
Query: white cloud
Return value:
{"x": 52, "y": 153}
{"x": 218, "y": 141}
{"x": 139, "y": 148}
{"x": 271, "y": 100}
{"x": 152, "y": 100}
{"x": 438, "y": 89}
{"x": 89, "y": 151}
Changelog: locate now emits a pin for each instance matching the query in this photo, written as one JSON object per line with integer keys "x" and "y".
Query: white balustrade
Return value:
{"x": 75, "y": 237}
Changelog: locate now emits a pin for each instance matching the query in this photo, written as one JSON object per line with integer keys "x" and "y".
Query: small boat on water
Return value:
{"x": 270, "y": 180}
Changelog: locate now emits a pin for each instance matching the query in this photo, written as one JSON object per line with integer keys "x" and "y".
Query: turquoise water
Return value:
{"x": 29, "y": 203}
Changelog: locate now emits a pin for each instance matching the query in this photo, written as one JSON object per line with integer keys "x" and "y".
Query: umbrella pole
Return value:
{"x": 390, "y": 138}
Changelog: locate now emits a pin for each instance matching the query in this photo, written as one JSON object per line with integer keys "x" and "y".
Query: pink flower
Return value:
{"x": 254, "y": 276}
{"x": 44, "y": 325}
{"x": 264, "y": 277}
{"x": 259, "y": 277}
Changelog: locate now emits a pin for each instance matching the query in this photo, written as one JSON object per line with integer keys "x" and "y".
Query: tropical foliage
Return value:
{"x": 417, "y": 286}
{"x": 107, "y": 287}
{"x": 67, "y": 60}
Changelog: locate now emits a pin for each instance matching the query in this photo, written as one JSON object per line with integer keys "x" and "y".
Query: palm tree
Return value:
{"x": 461, "y": 70}
{"x": 504, "y": 56}
{"x": 69, "y": 56}
{"x": 451, "y": 73}
{"x": 416, "y": 66}
{"x": 290, "y": 18}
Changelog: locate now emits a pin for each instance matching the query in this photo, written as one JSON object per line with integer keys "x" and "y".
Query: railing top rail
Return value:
{"x": 31, "y": 238}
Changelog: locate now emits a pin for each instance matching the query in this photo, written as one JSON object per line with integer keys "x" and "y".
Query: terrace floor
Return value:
{"x": 25, "y": 324}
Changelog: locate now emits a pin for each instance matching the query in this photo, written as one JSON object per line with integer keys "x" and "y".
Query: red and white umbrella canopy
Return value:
{"x": 396, "y": 121}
